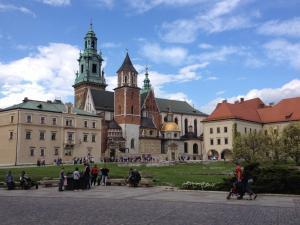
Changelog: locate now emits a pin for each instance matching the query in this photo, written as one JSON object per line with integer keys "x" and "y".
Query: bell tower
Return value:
{"x": 127, "y": 109}
{"x": 90, "y": 73}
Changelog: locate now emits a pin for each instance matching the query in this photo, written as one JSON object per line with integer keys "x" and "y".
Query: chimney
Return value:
{"x": 25, "y": 99}
{"x": 224, "y": 101}
{"x": 271, "y": 103}
{"x": 242, "y": 99}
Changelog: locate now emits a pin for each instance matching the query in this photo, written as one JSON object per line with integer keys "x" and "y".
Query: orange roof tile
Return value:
{"x": 256, "y": 111}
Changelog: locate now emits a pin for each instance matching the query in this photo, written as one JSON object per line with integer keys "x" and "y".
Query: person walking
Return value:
{"x": 94, "y": 173}
{"x": 247, "y": 180}
{"x": 239, "y": 177}
{"x": 61, "y": 179}
{"x": 87, "y": 176}
{"x": 76, "y": 177}
{"x": 104, "y": 174}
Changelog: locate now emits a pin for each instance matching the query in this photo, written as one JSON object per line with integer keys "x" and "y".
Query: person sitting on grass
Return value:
{"x": 10, "y": 181}
{"x": 134, "y": 177}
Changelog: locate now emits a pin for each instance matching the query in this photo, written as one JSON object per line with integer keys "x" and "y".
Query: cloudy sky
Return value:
{"x": 201, "y": 51}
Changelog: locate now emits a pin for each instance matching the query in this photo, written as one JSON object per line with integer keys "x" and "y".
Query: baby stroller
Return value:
{"x": 241, "y": 187}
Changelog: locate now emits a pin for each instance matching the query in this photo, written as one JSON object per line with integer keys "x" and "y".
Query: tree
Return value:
{"x": 250, "y": 147}
{"x": 291, "y": 141}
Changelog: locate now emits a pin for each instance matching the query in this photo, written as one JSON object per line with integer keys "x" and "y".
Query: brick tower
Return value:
{"x": 127, "y": 110}
{"x": 90, "y": 74}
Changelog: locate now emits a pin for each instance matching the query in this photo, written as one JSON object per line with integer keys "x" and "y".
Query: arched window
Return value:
{"x": 132, "y": 109}
{"x": 185, "y": 147}
{"x": 185, "y": 126}
{"x": 85, "y": 44}
{"x": 81, "y": 68}
{"x": 165, "y": 118}
{"x": 126, "y": 79}
{"x": 176, "y": 120}
{"x": 120, "y": 110}
{"x": 195, "y": 127}
{"x": 195, "y": 149}
{"x": 93, "y": 44}
{"x": 132, "y": 143}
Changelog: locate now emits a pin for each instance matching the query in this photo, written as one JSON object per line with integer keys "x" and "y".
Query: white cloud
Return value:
{"x": 110, "y": 45}
{"x": 142, "y": 6}
{"x": 105, "y": 3}
{"x": 218, "y": 19}
{"x": 289, "y": 28}
{"x": 220, "y": 92}
{"x": 171, "y": 55}
{"x": 212, "y": 78}
{"x": 217, "y": 54}
{"x": 284, "y": 52}
{"x": 205, "y": 46}
{"x": 40, "y": 76}
{"x": 57, "y": 2}
{"x": 267, "y": 95}
{"x": 9, "y": 8}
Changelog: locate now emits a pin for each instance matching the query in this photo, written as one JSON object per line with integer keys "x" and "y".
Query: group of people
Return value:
{"x": 25, "y": 181}
{"x": 242, "y": 183}
{"x": 86, "y": 178}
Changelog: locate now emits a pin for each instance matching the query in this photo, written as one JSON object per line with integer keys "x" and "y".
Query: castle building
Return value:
{"x": 135, "y": 122}
{"x": 245, "y": 116}
{"x": 38, "y": 130}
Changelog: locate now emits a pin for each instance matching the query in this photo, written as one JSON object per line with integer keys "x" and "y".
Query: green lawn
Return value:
{"x": 175, "y": 175}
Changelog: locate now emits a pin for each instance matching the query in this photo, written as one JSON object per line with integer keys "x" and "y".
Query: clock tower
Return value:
{"x": 90, "y": 73}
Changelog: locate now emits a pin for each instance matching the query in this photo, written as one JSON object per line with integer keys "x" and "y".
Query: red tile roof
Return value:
{"x": 256, "y": 111}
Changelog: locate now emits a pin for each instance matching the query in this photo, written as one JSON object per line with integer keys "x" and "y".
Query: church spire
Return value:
{"x": 90, "y": 63}
{"x": 147, "y": 85}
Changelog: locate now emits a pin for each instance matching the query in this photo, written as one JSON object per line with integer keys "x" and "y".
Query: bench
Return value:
{"x": 145, "y": 182}
{"x": 116, "y": 182}
{"x": 49, "y": 183}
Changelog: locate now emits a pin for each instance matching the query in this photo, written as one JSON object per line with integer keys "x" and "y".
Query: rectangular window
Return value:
{"x": 219, "y": 141}
{"x": 250, "y": 130}
{"x": 211, "y": 130}
{"x": 266, "y": 132}
{"x": 11, "y": 119}
{"x": 94, "y": 124}
{"x": 94, "y": 68}
{"x": 85, "y": 138}
{"x": 28, "y": 135}
{"x": 85, "y": 124}
{"x": 93, "y": 138}
{"x": 31, "y": 151}
{"x": 218, "y": 130}
{"x": 11, "y": 135}
{"x": 42, "y": 152}
{"x": 68, "y": 123}
{"x": 28, "y": 118}
{"x": 70, "y": 136}
{"x": 53, "y": 136}
{"x": 226, "y": 141}
{"x": 245, "y": 130}
{"x": 225, "y": 129}
{"x": 56, "y": 151}
{"x": 53, "y": 121}
{"x": 211, "y": 141}
{"x": 42, "y": 120}
{"x": 42, "y": 135}
{"x": 68, "y": 152}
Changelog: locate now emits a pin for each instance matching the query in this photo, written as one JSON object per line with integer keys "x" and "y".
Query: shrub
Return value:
{"x": 197, "y": 186}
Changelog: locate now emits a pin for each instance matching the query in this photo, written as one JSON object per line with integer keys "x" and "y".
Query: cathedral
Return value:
{"x": 135, "y": 122}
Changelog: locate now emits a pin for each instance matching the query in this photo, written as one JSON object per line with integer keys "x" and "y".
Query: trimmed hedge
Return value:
{"x": 279, "y": 179}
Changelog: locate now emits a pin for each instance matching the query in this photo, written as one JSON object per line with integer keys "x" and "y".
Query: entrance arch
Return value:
{"x": 226, "y": 155}
{"x": 212, "y": 155}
